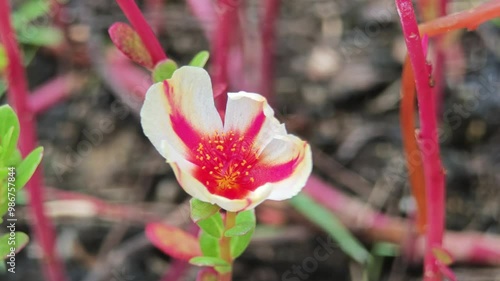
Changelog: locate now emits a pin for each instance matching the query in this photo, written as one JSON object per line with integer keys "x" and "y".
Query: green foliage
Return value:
{"x": 200, "y": 59}
{"x": 27, "y": 167}
{"x": 14, "y": 174}
{"x": 9, "y": 133}
{"x": 40, "y": 36}
{"x": 240, "y": 243}
{"x": 29, "y": 31}
{"x": 217, "y": 263}
{"x": 327, "y": 221}
{"x": 241, "y": 234}
{"x": 245, "y": 222}
{"x": 30, "y": 11}
{"x": 209, "y": 245}
{"x": 212, "y": 225}
{"x": 26, "y": 22}
{"x": 12, "y": 244}
{"x": 379, "y": 252}
{"x": 164, "y": 70}
{"x": 201, "y": 210}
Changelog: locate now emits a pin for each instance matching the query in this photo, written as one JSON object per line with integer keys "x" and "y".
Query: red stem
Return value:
{"x": 221, "y": 46}
{"x": 271, "y": 13}
{"x": 134, "y": 15}
{"x": 106, "y": 209}
{"x": 51, "y": 93}
{"x": 433, "y": 171}
{"x": 464, "y": 246}
{"x": 469, "y": 19}
{"x": 18, "y": 97}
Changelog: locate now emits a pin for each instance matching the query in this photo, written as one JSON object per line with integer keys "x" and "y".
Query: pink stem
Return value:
{"x": 470, "y": 247}
{"x": 205, "y": 12}
{"x": 128, "y": 81}
{"x": 271, "y": 13}
{"x": 51, "y": 93}
{"x": 221, "y": 46}
{"x": 105, "y": 209}
{"x": 434, "y": 176}
{"x": 134, "y": 15}
{"x": 18, "y": 97}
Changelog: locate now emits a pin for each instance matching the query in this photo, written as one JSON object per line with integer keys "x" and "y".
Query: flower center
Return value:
{"x": 225, "y": 164}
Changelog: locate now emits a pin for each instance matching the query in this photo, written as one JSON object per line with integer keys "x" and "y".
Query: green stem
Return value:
{"x": 225, "y": 245}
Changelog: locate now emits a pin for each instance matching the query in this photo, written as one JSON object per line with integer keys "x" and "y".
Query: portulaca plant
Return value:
{"x": 232, "y": 162}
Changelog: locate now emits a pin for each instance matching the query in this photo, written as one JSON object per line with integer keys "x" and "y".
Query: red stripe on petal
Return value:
{"x": 263, "y": 174}
{"x": 255, "y": 127}
{"x": 180, "y": 124}
{"x": 189, "y": 136}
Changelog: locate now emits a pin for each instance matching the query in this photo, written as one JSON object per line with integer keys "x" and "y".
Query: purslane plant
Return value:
{"x": 234, "y": 163}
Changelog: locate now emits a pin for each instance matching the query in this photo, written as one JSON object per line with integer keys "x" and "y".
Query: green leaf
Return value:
{"x": 209, "y": 245}
{"x": 202, "y": 210}
{"x": 385, "y": 249}
{"x": 27, "y": 167}
{"x": 240, "y": 243}
{"x": 200, "y": 59}
{"x": 331, "y": 224}
{"x": 29, "y": 12}
{"x": 164, "y": 70}
{"x": 6, "y": 142}
{"x": 208, "y": 261}
{"x": 128, "y": 41}
{"x": 239, "y": 230}
{"x": 218, "y": 264}
{"x": 40, "y": 35}
{"x": 11, "y": 245}
{"x": 14, "y": 159}
{"x": 8, "y": 139}
{"x": 245, "y": 222}
{"x": 212, "y": 225}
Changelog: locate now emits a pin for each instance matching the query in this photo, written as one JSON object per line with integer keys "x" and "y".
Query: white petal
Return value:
{"x": 281, "y": 150}
{"x": 251, "y": 200}
{"x": 180, "y": 110}
{"x": 249, "y": 113}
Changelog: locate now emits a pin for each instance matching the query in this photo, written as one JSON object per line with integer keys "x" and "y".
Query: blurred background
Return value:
{"x": 336, "y": 83}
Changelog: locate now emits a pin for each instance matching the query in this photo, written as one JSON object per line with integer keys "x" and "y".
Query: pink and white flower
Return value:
{"x": 236, "y": 163}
